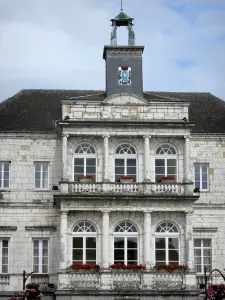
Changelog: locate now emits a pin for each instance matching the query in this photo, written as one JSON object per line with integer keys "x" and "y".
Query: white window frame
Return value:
{"x": 1, "y": 246}
{"x": 125, "y": 157}
{"x": 41, "y": 175}
{"x": 40, "y": 255}
{"x": 84, "y": 235}
{"x": 126, "y": 235}
{"x": 166, "y": 235}
{"x": 166, "y": 157}
{"x": 2, "y": 171}
{"x": 85, "y": 156}
{"x": 201, "y": 165}
{"x": 202, "y": 247}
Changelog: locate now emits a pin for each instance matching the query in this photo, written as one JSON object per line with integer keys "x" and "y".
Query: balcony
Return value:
{"x": 139, "y": 280}
{"x": 118, "y": 188}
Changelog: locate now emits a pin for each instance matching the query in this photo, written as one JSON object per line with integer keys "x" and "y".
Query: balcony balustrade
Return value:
{"x": 139, "y": 280}
{"x": 152, "y": 188}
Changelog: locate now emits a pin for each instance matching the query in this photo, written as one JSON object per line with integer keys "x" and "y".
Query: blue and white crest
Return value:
{"x": 124, "y": 75}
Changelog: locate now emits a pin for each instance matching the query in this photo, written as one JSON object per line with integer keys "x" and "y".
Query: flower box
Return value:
{"x": 127, "y": 268}
{"x": 168, "y": 179}
{"x": 126, "y": 178}
{"x": 170, "y": 268}
{"x": 86, "y": 179}
{"x": 80, "y": 267}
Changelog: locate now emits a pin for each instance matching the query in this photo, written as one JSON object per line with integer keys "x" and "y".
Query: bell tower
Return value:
{"x": 123, "y": 62}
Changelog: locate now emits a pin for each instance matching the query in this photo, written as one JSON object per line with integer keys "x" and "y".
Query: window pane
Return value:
{"x": 173, "y": 256}
{"x": 44, "y": 260}
{"x": 37, "y": 167}
{"x": 5, "y": 243}
{"x": 77, "y": 254}
{"x": 77, "y": 242}
{"x": 171, "y": 162}
{"x": 206, "y": 243}
{"x": 118, "y": 242}
{"x": 91, "y": 242}
{"x": 118, "y": 254}
{"x": 160, "y": 162}
{"x": 132, "y": 255}
{"x": 79, "y": 169}
{"x": 197, "y": 252}
{"x": 79, "y": 161}
{"x": 160, "y": 243}
{"x": 132, "y": 242}
{"x": 197, "y": 242}
{"x": 45, "y": 269}
{"x": 90, "y": 161}
{"x": 90, "y": 170}
{"x": 160, "y": 255}
{"x": 119, "y": 170}
{"x": 204, "y": 185}
{"x": 173, "y": 243}
{"x": 119, "y": 162}
{"x": 206, "y": 252}
{"x": 90, "y": 254}
{"x": 207, "y": 260}
{"x": 131, "y": 162}
{"x": 131, "y": 170}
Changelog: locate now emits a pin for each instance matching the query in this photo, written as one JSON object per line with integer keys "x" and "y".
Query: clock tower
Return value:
{"x": 123, "y": 62}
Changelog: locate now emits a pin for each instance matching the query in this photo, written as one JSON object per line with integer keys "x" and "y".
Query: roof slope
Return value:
{"x": 37, "y": 110}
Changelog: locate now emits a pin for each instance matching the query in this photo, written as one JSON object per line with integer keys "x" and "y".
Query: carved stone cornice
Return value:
{"x": 122, "y": 50}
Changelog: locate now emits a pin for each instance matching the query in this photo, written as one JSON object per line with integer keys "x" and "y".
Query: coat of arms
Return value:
{"x": 124, "y": 75}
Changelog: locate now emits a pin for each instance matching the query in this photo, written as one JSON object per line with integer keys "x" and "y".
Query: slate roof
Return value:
{"x": 38, "y": 110}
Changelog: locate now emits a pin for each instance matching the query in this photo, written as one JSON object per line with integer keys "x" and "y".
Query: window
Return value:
{"x": 84, "y": 243}
{"x": 4, "y": 256}
{"x": 165, "y": 162}
{"x": 201, "y": 176}
{"x": 125, "y": 161}
{"x": 167, "y": 244}
{"x": 41, "y": 175}
{"x": 203, "y": 255}
{"x": 40, "y": 256}
{"x": 4, "y": 174}
{"x": 85, "y": 161}
{"x": 126, "y": 243}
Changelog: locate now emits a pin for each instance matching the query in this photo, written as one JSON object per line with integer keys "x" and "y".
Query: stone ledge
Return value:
{"x": 33, "y": 228}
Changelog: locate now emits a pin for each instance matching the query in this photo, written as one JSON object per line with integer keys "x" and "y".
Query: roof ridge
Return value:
{"x": 161, "y": 96}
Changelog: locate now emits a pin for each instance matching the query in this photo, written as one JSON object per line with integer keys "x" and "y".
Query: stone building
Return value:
{"x": 171, "y": 146}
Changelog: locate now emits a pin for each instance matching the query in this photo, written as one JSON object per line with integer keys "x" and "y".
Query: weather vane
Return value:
{"x": 121, "y": 5}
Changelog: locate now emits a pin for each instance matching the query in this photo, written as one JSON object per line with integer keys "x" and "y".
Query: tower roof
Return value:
{"x": 122, "y": 19}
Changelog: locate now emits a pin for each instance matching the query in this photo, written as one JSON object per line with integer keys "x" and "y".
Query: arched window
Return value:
{"x": 84, "y": 161}
{"x": 167, "y": 244}
{"x": 165, "y": 162}
{"x": 84, "y": 243}
{"x": 126, "y": 243}
{"x": 125, "y": 161}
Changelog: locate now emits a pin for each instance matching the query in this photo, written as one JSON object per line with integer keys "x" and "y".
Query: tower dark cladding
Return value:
{"x": 123, "y": 62}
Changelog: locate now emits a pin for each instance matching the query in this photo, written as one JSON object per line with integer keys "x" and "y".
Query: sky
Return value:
{"x": 58, "y": 44}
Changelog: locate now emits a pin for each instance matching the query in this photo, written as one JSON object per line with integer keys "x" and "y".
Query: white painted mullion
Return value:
{"x": 84, "y": 250}
{"x": 125, "y": 250}
{"x": 202, "y": 258}
{"x": 2, "y": 180}
{"x": 125, "y": 166}
{"x": 85, "y": 166}
{"x": 39, "y": 256}
{"x": 167, "y": 251}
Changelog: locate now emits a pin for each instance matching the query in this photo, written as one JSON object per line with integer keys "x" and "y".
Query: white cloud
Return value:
{"x": 55, "y": 44}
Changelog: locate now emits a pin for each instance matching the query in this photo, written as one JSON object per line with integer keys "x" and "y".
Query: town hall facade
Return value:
{"x": 108, "y": 178}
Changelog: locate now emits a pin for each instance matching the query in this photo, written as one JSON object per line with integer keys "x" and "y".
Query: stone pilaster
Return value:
{"x": 106, "y": 159}
{"x": 105, "y": 240}
{"x": 63, "y": 239}
{"x": 147, "y": 240}
{"x": 189, "y": 240}
{"x": 146, "y": 159}
{"x": 64, "y": 157}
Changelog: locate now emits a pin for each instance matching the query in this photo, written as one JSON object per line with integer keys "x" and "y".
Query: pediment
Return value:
{"x": 125, "y": 99}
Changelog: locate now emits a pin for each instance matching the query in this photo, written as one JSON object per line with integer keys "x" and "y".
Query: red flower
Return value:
{"x": 171, "y": 177}
{"x": 127, "y": 267}
{"x": 81, "y": 266}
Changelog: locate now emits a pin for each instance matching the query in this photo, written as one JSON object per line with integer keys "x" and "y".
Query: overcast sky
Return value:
{"x": 57, "y": 44}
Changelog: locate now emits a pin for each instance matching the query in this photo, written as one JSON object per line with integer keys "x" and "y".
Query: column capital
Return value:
{"x": 105, "y": 212}
{"x": 186, "y": 137}
{"x": 147, "y": 211}
{"x": 189, "y": 212}
{"x": 65, "y": 135}
{"x": 146, "y": 136}
{"x": 63, "y": 212}
{"x": 106, "y": 136}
